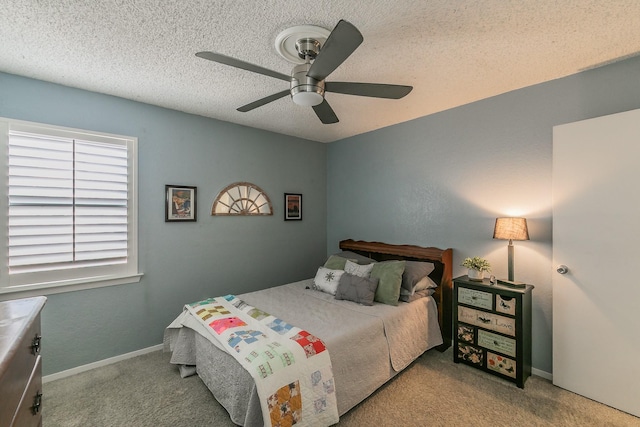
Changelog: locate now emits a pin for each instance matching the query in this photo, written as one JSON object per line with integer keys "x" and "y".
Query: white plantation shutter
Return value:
{"x": 101, "y": 203}
{"x": 70, "y": 207}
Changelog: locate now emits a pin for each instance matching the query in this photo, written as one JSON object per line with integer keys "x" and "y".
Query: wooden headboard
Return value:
{"x": 441, "y": 258}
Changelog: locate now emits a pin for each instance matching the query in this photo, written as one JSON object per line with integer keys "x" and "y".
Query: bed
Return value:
{"x": 368, "y": 345}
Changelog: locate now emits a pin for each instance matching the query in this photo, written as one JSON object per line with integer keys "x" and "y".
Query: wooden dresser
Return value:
{"x": 20, "y": 362}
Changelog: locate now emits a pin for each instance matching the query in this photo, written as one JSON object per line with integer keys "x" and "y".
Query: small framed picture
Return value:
{"x": 292, "y": 207}
{"x": 180, "y": 203}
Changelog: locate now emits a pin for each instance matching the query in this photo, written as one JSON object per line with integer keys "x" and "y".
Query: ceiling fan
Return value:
{"x": 307, "y": 80}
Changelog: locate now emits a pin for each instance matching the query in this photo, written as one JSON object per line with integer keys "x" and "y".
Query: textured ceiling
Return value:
{"x": 451, "y": 51}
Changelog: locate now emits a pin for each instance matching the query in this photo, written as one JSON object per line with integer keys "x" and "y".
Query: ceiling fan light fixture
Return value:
{"x": 307, "y": 99}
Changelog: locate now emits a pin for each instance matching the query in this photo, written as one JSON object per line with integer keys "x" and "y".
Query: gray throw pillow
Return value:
{"x": 357, "y": 289}
{"x": 415, "y": 271}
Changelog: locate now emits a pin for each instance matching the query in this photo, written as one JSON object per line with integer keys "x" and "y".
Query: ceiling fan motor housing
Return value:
{"x": 306, "y": 90}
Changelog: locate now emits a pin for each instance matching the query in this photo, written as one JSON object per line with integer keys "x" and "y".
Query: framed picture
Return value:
{"x": 292, "y": 207}
{"x": 180, "y": 203}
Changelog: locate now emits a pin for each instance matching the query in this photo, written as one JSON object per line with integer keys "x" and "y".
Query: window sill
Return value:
{"x": 26, "y": 291}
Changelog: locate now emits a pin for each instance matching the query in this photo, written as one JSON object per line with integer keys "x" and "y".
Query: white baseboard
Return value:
{"x": 543, "y": 374}
{"x": 109, "y": 361}
{"x": 99, "y": 363}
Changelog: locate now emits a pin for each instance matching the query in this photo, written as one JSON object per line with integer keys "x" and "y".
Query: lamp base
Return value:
{"x": 511, "y": 283}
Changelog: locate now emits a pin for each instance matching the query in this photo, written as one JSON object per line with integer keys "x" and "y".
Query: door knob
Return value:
{"x": 562, "y": 269}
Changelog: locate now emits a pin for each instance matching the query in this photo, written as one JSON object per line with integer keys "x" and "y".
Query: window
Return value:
{"x": 71, "y": 208}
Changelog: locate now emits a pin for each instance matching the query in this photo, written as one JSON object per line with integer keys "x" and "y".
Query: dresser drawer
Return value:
{"x": 506, "y": 305}
{"x": 502, "y": 365}
{"x": 471, "y": 354}
{"x": 475, "y": 298}
{"x": 15, "y": 377}
{"x": 497, "y": 342}
{"x": 504, "y": 325}
{"x": 29, "y": 413}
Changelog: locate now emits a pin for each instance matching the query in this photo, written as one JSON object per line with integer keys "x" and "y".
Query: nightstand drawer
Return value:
{"x": 475, "y": 298}
{"x": 506, "y": 305}
{"x": 466, "y": 333}
{"x": 501, "y": 364}
{"x": 497, "y": 342}
{"x": 495, "y": 322}
{"x": 471, "y": 354}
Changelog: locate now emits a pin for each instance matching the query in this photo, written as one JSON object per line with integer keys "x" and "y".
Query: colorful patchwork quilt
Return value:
{"x": 291, "y": 367}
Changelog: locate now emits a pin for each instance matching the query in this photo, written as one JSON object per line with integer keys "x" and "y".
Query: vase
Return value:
{"x": 476, "y": 275}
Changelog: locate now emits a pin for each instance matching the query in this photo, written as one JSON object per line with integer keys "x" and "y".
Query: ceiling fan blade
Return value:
{"x": 227, "y": 60}
{"x": 325, "y": 113}
{"x": 374, "y": 90}
{"x": 343, "y": 40}
{"x": 263, "y": 101}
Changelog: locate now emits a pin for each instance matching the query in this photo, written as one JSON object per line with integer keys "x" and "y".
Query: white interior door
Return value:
{"x": 596, "y": 234}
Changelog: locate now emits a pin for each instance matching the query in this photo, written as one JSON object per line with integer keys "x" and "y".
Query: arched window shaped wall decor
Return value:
{"x": 242, "y": 198}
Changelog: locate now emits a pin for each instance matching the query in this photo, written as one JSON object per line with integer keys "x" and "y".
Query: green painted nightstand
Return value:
{"x": 492, "y": 328}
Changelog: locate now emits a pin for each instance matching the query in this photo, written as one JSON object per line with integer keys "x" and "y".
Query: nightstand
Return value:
{"x": 492, "y": 328}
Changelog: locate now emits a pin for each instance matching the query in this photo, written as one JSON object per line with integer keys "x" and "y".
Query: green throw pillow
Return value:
{"x": 389, "y": 274}
{"x": 336, "y": 262}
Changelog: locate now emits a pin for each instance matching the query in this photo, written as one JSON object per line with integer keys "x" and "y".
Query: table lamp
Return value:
{"x": 511, "y": 229}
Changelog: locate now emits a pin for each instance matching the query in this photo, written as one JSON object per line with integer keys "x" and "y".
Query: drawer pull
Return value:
{"x": 35, "y": 344}
{"x": 505, "y": 306}
{"x": 37, "y": 403}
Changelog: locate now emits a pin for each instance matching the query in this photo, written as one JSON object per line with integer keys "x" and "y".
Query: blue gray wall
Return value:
{"x": 438, "y": 181}
{"x": 181, "y": 262}
{"x": 441, "y": 180}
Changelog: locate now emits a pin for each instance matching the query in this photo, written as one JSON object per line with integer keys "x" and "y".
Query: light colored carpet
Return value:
{"x": 433, "y": 391}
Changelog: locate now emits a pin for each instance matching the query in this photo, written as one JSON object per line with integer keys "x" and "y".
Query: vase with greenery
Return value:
{"x": 476, "y": 267}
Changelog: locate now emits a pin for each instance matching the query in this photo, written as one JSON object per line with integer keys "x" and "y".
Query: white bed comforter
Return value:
{"x": 368, "y": 345}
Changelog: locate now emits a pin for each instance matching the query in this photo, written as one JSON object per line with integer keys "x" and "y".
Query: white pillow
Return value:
{"x": 357, "y": 269}
{"x": 326, "y": 280}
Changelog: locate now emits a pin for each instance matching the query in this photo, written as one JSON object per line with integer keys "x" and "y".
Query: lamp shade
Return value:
{"x": 511, "y": 229}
